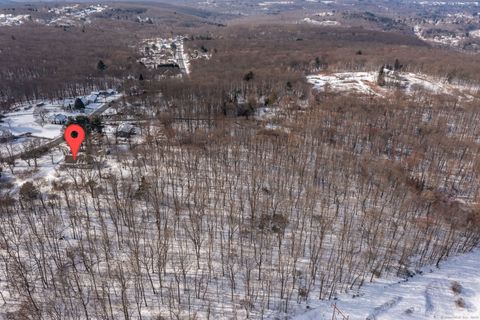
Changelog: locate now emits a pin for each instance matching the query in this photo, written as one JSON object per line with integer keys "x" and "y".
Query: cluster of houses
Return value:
{"x": 94, "y": 97}
{"x": 28, "y": 118}
{"x": 160, "y": 53}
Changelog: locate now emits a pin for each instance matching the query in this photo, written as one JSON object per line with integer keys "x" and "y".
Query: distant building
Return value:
{"x": 125, "y": 130}
{"x": 59, "y": 119}
{"x": 89, "y": 99}
{"x": 106, "y": 93}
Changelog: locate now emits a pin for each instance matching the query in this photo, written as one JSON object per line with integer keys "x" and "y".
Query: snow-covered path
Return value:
{"x": 449, "y": 292}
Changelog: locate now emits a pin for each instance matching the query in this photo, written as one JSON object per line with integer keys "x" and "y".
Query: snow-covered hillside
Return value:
{"x": 451, "y": 291}
{"x": 410, "y": 83}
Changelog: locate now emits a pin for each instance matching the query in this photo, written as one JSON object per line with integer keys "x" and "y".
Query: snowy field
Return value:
{"x": 411, "y": 83}
{"x": 449, "y": 292}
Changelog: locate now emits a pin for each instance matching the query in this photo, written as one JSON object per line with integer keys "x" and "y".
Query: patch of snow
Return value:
{"x": 265, "y": 113}
{"x": 475, "y": 33}
{"x": 360, "y": 82}
{"x": 271, "y": 3}
{"x": 321, "y": 23}
{"x": 13, "y": 20}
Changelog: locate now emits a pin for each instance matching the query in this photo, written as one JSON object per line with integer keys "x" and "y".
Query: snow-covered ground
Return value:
{"x": 13, "y": 20}
{"x": 366, "y": 83}
{"x": 44, "y": 173}
{"x": 451, "y": 291}
{"x": 475, "y": 33}
{"x": 360, "y": 82}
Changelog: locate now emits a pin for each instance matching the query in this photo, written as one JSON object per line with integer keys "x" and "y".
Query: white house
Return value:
{"x": 125, "y": 130}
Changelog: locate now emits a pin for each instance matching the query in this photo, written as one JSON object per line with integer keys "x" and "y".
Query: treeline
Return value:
{"x": 41, "y": 62}
{"x": 276, "y": 50}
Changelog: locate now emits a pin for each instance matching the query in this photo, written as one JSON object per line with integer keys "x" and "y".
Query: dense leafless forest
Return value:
{"x": 212, "y": 210}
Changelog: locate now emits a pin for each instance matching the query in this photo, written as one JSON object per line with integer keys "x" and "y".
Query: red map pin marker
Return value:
{"x": 74, "y": 135}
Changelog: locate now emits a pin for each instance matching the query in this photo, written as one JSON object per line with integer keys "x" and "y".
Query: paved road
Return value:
{"x": 56, "y": 141}
{"x": 179, "y": 51}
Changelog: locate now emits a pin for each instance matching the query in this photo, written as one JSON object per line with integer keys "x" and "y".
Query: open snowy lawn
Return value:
{"x": 449, "y": 292}
{"x": 22, "y": 122}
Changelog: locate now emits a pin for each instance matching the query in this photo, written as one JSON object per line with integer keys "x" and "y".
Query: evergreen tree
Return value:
{"x": 397, "y": 66}
{"x": 381, "y": 77}
{"x": 29, "y": 192}
{"x": 249, "y": 76}
{"x": 79, "y": 105}
{"x": 101, "y": 65}
{"x": 96, "y": 124}
{"x": 89, "y": 124}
